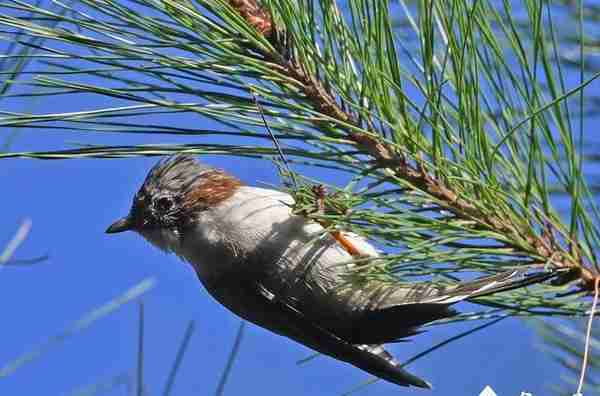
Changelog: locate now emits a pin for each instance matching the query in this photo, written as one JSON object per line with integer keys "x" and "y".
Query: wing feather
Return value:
{"x": 257, "y": 304}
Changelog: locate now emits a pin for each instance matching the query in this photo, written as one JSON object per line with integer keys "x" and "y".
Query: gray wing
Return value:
{"x": 255, "y": 303}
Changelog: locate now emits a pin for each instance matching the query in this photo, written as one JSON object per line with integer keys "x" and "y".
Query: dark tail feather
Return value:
{"x": 505, "y": 281}
{"x": 375, "y": 360}
{"x": 397, "y": 322}
{"x": 402, "y": 310}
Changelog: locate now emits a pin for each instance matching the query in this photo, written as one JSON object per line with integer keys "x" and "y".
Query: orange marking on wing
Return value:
{"x": 346, "y": 244}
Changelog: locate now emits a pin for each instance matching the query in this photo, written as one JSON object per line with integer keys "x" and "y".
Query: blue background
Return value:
{"x": 71, "y": 202}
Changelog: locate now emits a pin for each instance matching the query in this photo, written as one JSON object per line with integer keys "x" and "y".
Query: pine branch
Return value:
{"x": 544, "y": 246}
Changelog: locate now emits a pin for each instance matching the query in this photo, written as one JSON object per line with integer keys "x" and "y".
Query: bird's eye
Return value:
{"x": 164, "y": 204}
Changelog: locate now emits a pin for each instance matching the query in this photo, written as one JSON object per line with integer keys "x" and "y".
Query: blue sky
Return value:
{"x": 70, "y": 204}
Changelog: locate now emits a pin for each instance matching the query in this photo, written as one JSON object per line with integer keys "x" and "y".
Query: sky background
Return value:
{"x": 71, "y": 203}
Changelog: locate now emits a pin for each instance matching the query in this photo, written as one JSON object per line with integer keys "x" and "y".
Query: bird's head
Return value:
{"x": 176, "y": 190}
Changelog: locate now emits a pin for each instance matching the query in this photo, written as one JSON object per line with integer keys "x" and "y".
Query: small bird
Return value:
{"x": 285, "y": 272}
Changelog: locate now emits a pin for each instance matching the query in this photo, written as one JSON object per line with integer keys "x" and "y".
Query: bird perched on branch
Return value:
{"x": 284, "y": 272}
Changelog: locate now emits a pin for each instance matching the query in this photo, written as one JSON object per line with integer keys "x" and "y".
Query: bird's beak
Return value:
{"x": 120, "y": 225}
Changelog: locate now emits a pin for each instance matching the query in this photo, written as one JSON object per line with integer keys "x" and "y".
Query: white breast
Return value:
{"x": 257, "y": 223}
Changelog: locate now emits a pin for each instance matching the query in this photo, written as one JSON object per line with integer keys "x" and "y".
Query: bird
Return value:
{"x": 287, "y": 273}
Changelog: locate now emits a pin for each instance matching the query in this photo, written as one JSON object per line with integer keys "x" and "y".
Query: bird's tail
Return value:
{"x": 377, "y": 361}
{"x": 488, "y": 285}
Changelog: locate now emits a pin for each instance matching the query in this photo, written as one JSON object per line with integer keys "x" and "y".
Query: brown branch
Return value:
{"x": 385, "y": 156}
